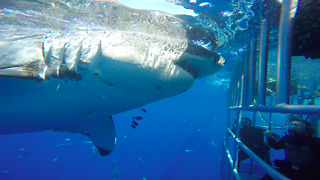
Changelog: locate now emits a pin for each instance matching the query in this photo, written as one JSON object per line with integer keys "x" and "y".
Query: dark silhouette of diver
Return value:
{"x": 253, "y": 138}
{"x": 302, "y": 151}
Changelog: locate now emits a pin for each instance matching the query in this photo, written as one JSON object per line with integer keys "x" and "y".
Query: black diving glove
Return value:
{"x": 281, "y": 163}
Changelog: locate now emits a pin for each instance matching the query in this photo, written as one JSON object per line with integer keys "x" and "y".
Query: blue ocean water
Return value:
{"x": 178, "y": 138}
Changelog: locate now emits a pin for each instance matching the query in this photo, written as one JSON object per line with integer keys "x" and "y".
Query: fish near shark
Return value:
{"x": 63, "y": 71}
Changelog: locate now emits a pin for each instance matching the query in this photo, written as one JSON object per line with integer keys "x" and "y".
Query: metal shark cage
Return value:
{"x": 247, "y": 96}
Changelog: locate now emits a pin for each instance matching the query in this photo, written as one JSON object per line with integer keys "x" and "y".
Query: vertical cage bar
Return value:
{"x": 245, "y": 74}
{"x": 263, "y": 62}
{"x": 284, "y": 50}
{"x": 313, "y": 119}
{"x": 228, "y": 125}
{"x": 252, "y": 72}
{"x": 237, "y": 133}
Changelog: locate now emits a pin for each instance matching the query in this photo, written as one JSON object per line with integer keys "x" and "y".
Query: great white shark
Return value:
{"x": 70, "y": 67}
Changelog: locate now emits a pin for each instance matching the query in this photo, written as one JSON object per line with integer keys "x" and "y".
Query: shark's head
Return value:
{"x": 199, "y": 61}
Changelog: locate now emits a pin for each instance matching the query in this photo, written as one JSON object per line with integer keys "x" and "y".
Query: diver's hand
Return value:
{"x": 268, "y": 134}
{"x": 281, "y": 163}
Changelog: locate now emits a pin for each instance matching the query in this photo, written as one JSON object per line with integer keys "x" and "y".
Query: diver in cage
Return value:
{"x": 253, "y": 138}
{"x": 302, "y": 151}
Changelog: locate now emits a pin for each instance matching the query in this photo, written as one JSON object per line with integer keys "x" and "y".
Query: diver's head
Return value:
{"x": 246, "y": 122}
{"x": 297, "y": 126}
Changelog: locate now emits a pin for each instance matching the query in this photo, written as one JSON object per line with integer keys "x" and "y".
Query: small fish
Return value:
{"x": 138, "y": 118}
{"x": 64, "y": 144}
{"x": 24, "y": 154}
{"x": 5, "y": 171}
{"x": 135, "y": 123}
{"x": 141, "y": 160}
{"x": 133, "y": 126}
{"x": 144, "y": 110}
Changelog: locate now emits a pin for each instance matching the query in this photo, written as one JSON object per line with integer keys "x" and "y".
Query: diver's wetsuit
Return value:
{"x": 253, "y": 138}
{"x": 302, "y": 159}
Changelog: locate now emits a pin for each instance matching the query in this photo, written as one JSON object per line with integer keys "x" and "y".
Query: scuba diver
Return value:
{"x": 302, "y": 151}
{"x": 253, "y": 138}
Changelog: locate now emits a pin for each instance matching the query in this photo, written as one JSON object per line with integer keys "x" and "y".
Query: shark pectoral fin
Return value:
{"x": 102, "y": 135}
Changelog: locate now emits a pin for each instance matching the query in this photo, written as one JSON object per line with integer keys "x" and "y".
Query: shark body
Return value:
{"x": 75, "y": 79}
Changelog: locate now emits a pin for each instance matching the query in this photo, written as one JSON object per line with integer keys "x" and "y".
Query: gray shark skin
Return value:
{"x": 70, "y": 67}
